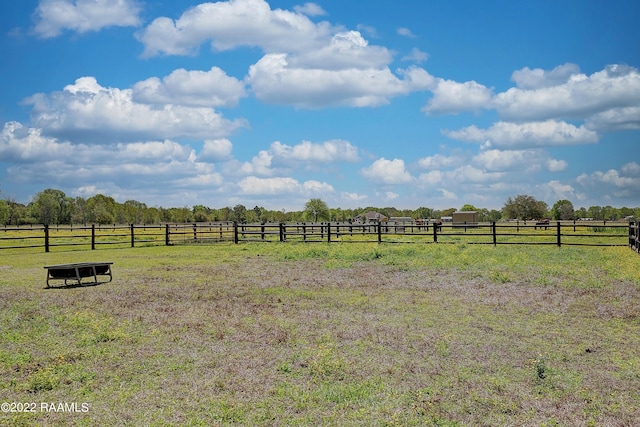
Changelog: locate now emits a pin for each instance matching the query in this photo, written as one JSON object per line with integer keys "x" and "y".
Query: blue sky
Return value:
{"x": 272, "y": 103}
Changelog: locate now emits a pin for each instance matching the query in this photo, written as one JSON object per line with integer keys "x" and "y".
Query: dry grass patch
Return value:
{"x": 327, "y": 334}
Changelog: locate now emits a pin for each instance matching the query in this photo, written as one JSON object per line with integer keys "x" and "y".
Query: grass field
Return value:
{"x": 341, "y": 334}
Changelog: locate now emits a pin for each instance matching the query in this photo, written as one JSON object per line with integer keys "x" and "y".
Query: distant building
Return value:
{"x": 401, "y": 219}
{"x": 371, "y": 217}
{"x": 465, "y": 219}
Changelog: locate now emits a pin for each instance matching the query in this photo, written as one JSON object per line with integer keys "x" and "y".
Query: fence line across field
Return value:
{"x": 560, "y": 233}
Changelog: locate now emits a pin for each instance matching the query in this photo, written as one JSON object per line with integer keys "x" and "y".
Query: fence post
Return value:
{"x": 379, "y": 232}
{"x": 132, "y": 236}
{"x": 195, "y": 232}
{"x": 282, "y": 231}
{"x": 435, "y": 233}
{"x": 329, "y": 232}
{"x": 93, "y": 237}
{"x": 235, "y": 232}
{"x": 558, "y": 233}
{"x": 167, "y": 241}
{"x": 46, "y": 237}
{"x": 493, "y": 230}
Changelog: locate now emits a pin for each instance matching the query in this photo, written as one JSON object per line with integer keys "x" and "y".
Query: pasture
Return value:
{"x": 284, "y": 334}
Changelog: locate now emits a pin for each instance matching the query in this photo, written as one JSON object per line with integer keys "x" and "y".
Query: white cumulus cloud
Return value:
{"x": 403, "y": 31}
{"x": 450, "y": 97}
{"x": 86, "y": 107}
{"x": 438, "y": 161}
{"x": 347, "y": 49}
{"x": 387, "y": 172}
{"x": 525, "y": 135}
{"x": 537, "y": 78}
{"x": 574, "y": 95}
{"x": 274, "y": 80}
{"x": 229, "y": 24}
{"x": 306, "y": 151}
{"x": 623, "y": 184}
{"x": 213, "y": 88}
{"x": 310, "y": 9}
{"x": 252, "y": 185}
{"x": 54, "y": 16}
{"x": 216, "y": 149}
{"x": 416, "y": 55}
{"x": 23, "y": 144}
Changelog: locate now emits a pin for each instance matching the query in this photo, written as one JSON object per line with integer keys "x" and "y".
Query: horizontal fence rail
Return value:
{"x": 560, "y": 233}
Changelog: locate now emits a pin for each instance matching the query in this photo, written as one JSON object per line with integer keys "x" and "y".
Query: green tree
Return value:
{"x": 609, "y": 213}
{"x": 524, "y": 207}
{"x": 201, "y": 213}
{"x": 261, "y": 214}
{"x": 182, "y": 215}
{"x": 79, "y": 211}
{"x": 134, "y": 211}
{"x": 338, "y": 214}
{"x": 423, "y": 213}
{"x": 151, "y": 216}
{"x": 225, "y": 214}
{"x": 18, "y": 213}
{"x": 563, "y": 209}
{"x": 469, "y": 208}
{"x": 251, "y": 217}
{"x": 624, "y": 212}
{"x": 4, "y": 212}
{"x": 448, "y": 212}
{"x": 317, "y": 209}
{"x": 239, "y": 213}
{"x": 51, "y": 206}
{"x": 595, "y": 212}
{"x": 164, "y": 214}
{"x": 101, "y": 209}
{"x": 493, "y": 215}
{"x": 582, "y": 213}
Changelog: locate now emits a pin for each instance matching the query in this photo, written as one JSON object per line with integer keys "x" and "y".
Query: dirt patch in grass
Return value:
{"x": 261, "y": 341}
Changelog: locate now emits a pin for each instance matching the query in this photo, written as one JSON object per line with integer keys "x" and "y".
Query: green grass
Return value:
{"x": 317, "y": 334}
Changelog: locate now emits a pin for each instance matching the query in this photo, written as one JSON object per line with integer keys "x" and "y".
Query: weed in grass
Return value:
{"x": 442, "y": 346}
{"x": 499, "y": 276}
{"x": 540, "y": 367}
{"x": 228, "y": 411}
{"x": 93, "y": 327}
{"x": 285, "y": 368}
{"x": 326, "y": 363}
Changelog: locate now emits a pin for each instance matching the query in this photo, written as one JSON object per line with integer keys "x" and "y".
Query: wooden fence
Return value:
{"x": 561, "y": 233}
{"x": 634, "y": 236}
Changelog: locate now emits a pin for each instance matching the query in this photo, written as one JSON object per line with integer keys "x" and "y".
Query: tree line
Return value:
{"x": 52, "y": 206}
